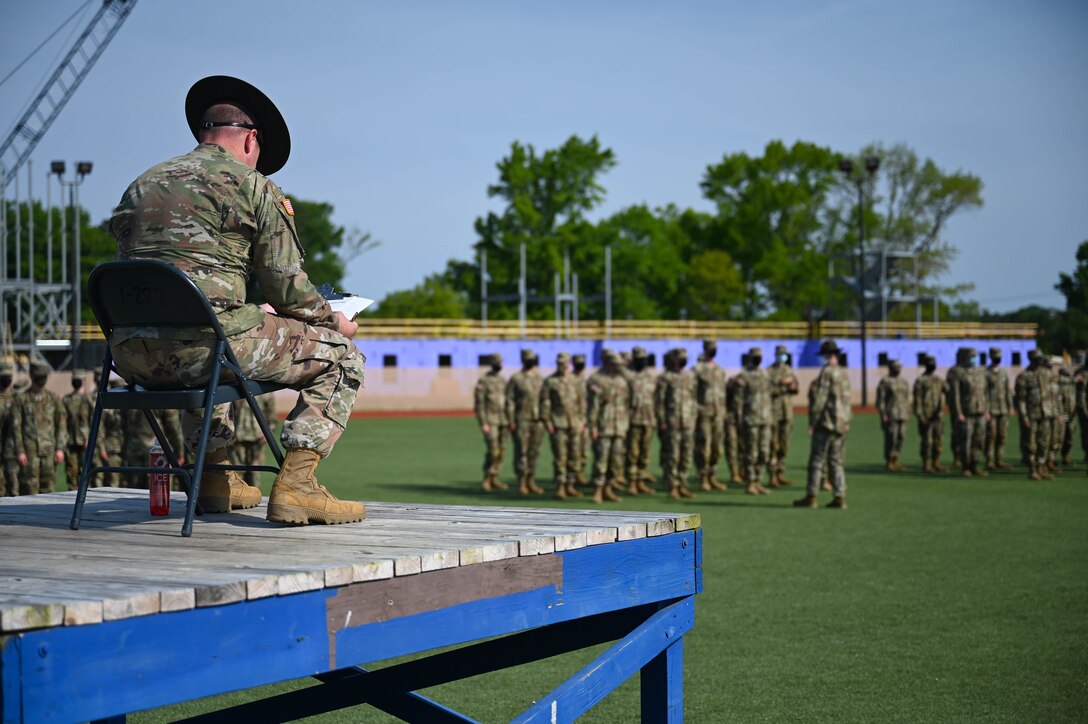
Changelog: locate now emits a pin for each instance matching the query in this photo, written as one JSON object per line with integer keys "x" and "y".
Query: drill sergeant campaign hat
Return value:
{"x": 272, "y": 133}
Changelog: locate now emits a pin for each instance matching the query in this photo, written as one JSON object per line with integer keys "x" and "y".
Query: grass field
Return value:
{"x": 933, "y": 598}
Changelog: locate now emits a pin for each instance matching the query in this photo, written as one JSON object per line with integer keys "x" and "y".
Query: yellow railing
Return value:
{"x": 668, "y": 329}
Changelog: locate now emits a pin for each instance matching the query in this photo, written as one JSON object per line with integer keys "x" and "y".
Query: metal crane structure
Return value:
{"x": 51, "y": 306}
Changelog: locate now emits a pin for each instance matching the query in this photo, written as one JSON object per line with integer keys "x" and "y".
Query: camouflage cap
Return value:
{"x": 274, "y": 139}
{"x": 781, "y": 349}
{"x": 894, "y": 364}
{"x": 39, "y": 368}
{"x": 625, "y": 356}
{"x": 494, "y": 358}
{"x": 527, "y": 354}
{"x": 609, "y": 355}
{"x": 995, "y": 352}
{"x": 680, "y": 353}
{"x": 1033, "y": 354}
{"x": 756, "y": 352}
{"x": 965, "y": 352}
{"x": 579, "y": 359}
{"x": 562, "y": 358}
{"x": 710, "y": 345}
{"x": 6, "y": 368}
{"x": 639, "y": 353}
{"x": 828, "y": 346}
{"x": 79, "y": 375}
{"x": 928, "y": 359}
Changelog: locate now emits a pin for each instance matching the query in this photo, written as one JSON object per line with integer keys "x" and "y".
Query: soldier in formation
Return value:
{"x": 110, "y": 444}
{"x": 893, "y": 404}
{"x": 1001, "y": 406}
{"x": 784, "y": 386}
{"x": 753, "y": 412}
{"x": 732, "y": 442}
{"x": 9, "y": 428}
{"x": 829, "y": 421}
{"x": 523, "y": 413}
{"x": 643, "y": 421}
{"x": 963, "y": 359}
{"x": 710, "y": 425}
{"x": 249, "y": 444}
{"x": 578, "y": 460}
{"x": 490, "y": 404}
{"x": 1035, "y": 406}
{"x": 929, "y": 396}
{"x": 1067, "y": 387}
{"x": 608, "y": 399}
{"x": 676, "y": 412}
{"x": 559, "y": 398}
{"x": 78, "y": 406}
{"x": 969, "y": 396}
{"x": 43, "y": 433}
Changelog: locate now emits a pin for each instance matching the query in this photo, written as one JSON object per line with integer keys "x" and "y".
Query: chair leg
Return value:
{"x": 202, "y": 444}
{"x": 92, "y": 441}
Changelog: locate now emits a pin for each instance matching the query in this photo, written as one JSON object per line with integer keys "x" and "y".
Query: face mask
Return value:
{"x": 39, "y": 380}
{"x": 783, "y": 358}
{"x": 5, "y": 382}
{"x": 496, "y": 368}
{"x": 76, "y": 384}
{"x": 579, "y": 367}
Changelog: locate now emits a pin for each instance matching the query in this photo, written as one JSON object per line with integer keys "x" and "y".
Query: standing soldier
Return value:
{"x": 1035, "y": 408}
{"x": 249, "y": 442}
{"x": 9, "y": 428}
{"x": 1001, "y": 406}
{"x": 710, "y": 427}
{"x": 640, "y": 435}
{"x": 1057, "y": 434}
{"x": 491, "y": 416}
{"x": 893, "y": 404}
{"x": 581, "y": 450}
{"x": 78, "y": 406}
{"x": 784, "y": 386}
{"x": 963, "y": 359}
{"x": 929, "y": 409}
{"x": 676, "y": 417}
{"x": 1068, "y": 386}
{"x": 829, "y": 421}
{"x": 40, "y": 447}
{"x": 753, "y": 411}
{"x": 731, "y": 439}
{"x": 523, "y": 412}
{"x": 1080, "y": 379}
{"x": 559, "y": 399}
{"x": 970, "y": 395}
{"x": 111, "y": 443}
{"x": 609, "y": 407}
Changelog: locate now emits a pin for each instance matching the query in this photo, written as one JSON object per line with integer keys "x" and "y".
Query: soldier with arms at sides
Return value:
{"x": 490, "y": 405}
{"x": 784, "y": 386}
{"x": 963, "y": 361}
{"x": 893, "y": 404}
{"x": 829, "y": 421}
{"x": 640, "y": 435}
{"x": 1001, "y": 406}
{"x": 676, "y": 412}
{"x": 523, "y": 412}
{"x": 214, "y": 214}
{"x": 1068, "y": 387}
{"x": 929, "y": 393}
{"x": 710, "y": 425}
{"x": 559, "y": 400}
{"x": 9, "y": 427}
{"x": 78, "y": 406}
{"x": 44, "y": 433}
{"x": 608, "y": 419}
{"x": 1035, "y": 407}
{"x": 970, "y": 398}
{"x": 577, "y": 461}
{"x": 753, "y": 411}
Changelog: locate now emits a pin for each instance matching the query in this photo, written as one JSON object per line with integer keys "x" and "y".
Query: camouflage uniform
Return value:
{"x": 9, "y": 427}
{"x": 829, "y": 421}
{"x": 580, "y": 452}
{"x": 523, "y": 412}
{"x": 608, "y": 418}
{"x": 44, "y": 433}
{"x": 963, "y": 358}
{"x": 969, "y": 396}
{"x": 753, "y": 412}
{"x": 929, "y": 393}
{"x": 559, "y": 400}
{"x": 640, "y": 435}
{"x": 1068, "y": 386}
{"x": 1035, "y": 405}
{"x": 731, "y": 441}
{"x": 710, "y": 425}
{"x": 1057, "y": 434}
{"x": 1001, "y": 404}
{"x": 224, "y": 224}
{"x": 249, "y": 443}
{"x": 1080, "y": 379}
{"x": 676, "y": 413}
{"x": 490, "y": 405}
{"x": 893, "y": 404}
{"x": 111, "y": 443}
{"x": 784, "y": 386}
{"x": 78, "y": 406}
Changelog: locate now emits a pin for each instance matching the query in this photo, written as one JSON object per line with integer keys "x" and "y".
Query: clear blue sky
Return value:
{"x": 399, "y": 111}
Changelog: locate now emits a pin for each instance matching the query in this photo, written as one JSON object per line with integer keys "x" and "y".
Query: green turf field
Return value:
{"x": 931, "y": 599}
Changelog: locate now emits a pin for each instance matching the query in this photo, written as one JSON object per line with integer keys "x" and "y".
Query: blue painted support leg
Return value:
{"x": 663, "y": 686}
{"x": 601, "y": 676}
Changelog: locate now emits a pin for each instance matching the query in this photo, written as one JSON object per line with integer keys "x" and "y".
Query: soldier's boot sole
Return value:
{"x": 295, "y": 515}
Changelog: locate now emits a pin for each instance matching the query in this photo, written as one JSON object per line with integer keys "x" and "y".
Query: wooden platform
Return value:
{"x": 301, "y": 601}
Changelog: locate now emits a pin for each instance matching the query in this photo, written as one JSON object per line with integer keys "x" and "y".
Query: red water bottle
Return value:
{"x": 158, "y": 483}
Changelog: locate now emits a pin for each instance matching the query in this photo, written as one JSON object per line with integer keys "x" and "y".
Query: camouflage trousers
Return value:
{"x": 895, "y": 431}
{"x": 973, "y": 444}
{"x": 958, "y": 435}
{"x": 931, "y": 438}
{"x": 731, "y": 444}
{"x": 757, "y": 450}
{"x": 494, "y": 449}
{"x": 676, "y": 463}
{"x": 709, "y": 441}
{"x": 564, "y": 447}
{"x": 134, "y": 455}
{"x": 1038, "y": 434}
{"x": 110, "y": 480}
{"x": 997, "y": 432}
{"x": 780, "y": 444}
{"x": 608, "y": 459}
{"x": 528, "y": 437}
{"x": 1070, "y": 435}
{"x": 248, "y": 453}
{"x": 825, "y": 459}
{"x": 1083, "y": 419}
{"x": 39, "y": 475}
{"x": 73, "y": 466}
{"x": 576, "y": 463}
{"x": 9, "y": 478}
{"x": 1057, "y": 435}
{"x": 640, "y": 438}
{"x": 325, "y": 367}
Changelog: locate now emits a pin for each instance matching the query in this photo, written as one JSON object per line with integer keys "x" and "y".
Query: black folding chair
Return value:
{"x": 145, "y": 293}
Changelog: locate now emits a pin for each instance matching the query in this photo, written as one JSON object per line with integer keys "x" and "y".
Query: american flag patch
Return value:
{"x": 287, "y": 206}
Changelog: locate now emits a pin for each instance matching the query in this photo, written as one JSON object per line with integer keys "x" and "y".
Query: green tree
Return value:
{"x": 1072, "y": 327}
{"x": 434, "y": 298}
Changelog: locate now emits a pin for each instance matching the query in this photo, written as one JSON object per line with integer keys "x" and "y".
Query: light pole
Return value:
{"x": 82, "y": 168}
{"x": 872, "y": 163}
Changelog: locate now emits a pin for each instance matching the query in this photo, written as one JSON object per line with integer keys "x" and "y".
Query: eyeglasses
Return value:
{"x": 234, "y": 124}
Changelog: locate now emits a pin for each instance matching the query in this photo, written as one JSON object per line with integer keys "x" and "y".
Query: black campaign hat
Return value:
{"x": 275, "y": 139}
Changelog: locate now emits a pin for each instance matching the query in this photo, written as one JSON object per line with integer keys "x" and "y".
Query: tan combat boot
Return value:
{"x": 604, "y": 493}
{"x": 224, "y": 490}
{"x": 838, "y": 502}
{"x": 644, "y": 487}
{"x": 704, "y": 483}
{"x": 486, "y": 484}
{"x": 497, "y": 484}
{"x": 523, "y": 485}
{"x": 632, "y": 489}
{"x": 674, "y": 493}
{"x": 809, "y": 501}
{"x": 783, "y": 481}
{"x": 752, "y": 489}
{"x": 533, "y": 487}
{"x": 298, "y": 498}
{"x": 560, "y": 492}
{"x": 684, "y": 492}
{"x": 572, "y": 491}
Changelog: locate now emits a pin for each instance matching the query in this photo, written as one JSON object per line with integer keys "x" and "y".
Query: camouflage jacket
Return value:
{"x": 11, "y": 427}
{"x": 559, "y": 399}
{"x": 784, "y": 386}
{"x": 674, "y": 400}
{"x": 111, "y": 432}
{"x": 893, "y": 398}
{"x": 642, "y": 397}
{"x": 246, "y": 428}
{"x": 753, "y": 397}
{"x": 609, "y": 398}
{"x": 78, "y": 406}
{"x": 710, "y": 389}
{"x": 490, "y": 399}
{"x": 999, "y": 391}
{"x": 928, "y": 397}
{"x": 970, "y": 392}
{"x": 829, "y": 400}
{"x": 951, "y": 380}
{"x": 44, "y": 423}
{"x": 523, "y": 396}
{"x": 1067, "y": 393}
{"x": 731, "y": 400}
{"x": 581, "y": 404}
{"x": 1080, "y": 380}
{"x": 139, "y": 437}
{"x": 222, "y": 223}
{"x": 1034, "y": 395}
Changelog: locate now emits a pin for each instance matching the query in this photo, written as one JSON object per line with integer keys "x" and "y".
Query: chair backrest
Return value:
{"x": 147, "y": 293}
